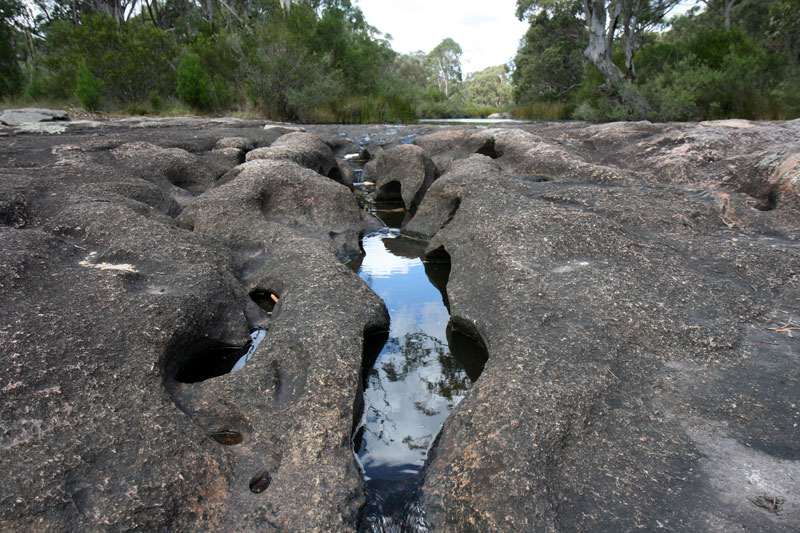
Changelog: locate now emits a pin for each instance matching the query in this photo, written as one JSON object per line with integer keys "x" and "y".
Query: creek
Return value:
{"x": 419, "y": 376}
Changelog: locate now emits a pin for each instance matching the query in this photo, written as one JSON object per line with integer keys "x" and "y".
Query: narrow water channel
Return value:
{"x": 415, "y": 382}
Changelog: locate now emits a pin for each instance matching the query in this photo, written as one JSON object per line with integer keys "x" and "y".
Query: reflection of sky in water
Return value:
{"x": 415, "y": 383}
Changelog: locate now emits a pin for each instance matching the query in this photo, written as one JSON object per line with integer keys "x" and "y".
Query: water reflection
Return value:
{"x": 415, "y": 382}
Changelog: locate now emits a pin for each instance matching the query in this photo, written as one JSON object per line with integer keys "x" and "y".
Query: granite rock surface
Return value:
{"x": 637, "y": 286}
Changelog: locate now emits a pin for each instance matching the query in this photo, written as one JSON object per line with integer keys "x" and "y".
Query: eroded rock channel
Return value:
{"x": 636, "y": 286}
{"x": 420, "y": 375}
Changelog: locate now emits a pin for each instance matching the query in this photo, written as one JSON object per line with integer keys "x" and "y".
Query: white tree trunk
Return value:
{"x": 601, "y": 38}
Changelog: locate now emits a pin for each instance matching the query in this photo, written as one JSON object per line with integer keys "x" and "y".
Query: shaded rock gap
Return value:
{"x": 209, "y": 358}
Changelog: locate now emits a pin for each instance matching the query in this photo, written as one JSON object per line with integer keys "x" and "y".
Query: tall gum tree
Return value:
{"x": 609, "y": 21}
{"x": 445, "y": 63}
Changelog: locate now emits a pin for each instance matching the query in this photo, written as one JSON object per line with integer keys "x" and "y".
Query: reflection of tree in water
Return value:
{"x": 420, "y": 350}
{"x": 417, "y": 444}
{"x": 454, "y": 382}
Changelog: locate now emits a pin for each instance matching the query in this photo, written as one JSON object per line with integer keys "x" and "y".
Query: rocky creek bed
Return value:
{"x": 636, "y": 285}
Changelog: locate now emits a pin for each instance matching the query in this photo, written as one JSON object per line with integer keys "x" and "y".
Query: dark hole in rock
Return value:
{"x": 227, "y": 437}
{"x": 13, "y": 212}
{"x": 211, "y": 359}
{"x": 335, "y": 174}
{"x": 536, "y": 178}
{"x": 769, "y": 202}
{"x": 467, "y": 347}
{"x": 354, "y": 264}
{"x": 265, "y": 299}
{"x": 390, "y": 212}
{"x": 438, "y": 255}
{"x": 488, "y": 149}
{"x": 389, "y": 192}
{"x": 260, "y": 482}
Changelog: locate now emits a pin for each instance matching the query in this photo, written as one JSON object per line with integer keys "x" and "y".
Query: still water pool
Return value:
{"x": 415, "y": 382}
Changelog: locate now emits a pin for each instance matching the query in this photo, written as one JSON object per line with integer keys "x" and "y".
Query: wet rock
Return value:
{"x": 404, "y": 173}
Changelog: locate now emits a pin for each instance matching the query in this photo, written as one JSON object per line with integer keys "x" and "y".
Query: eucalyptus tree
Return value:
{"x": 723, "y": 8}
{"x": 549, "y": 64}
{"x": 609, "y": 22}
{"x": 491, "y": 86}
{"x": 445, "y": 64}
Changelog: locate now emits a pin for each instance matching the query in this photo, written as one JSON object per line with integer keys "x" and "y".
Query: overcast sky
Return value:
{"x": 488, "y": 32}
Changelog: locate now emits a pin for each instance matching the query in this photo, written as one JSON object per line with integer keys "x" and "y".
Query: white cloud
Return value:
{"x": 380, "y": 262}
{"x": 488, "y": 32}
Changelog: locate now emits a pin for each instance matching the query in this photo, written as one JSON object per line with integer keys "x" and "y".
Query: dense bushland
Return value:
{"x": 701, "y": 65}
{"x": 321, "y": 61}
{"x": 308, "y": 61}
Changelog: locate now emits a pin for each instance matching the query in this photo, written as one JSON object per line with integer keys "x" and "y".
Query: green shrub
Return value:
{"x": 284, "y": 79}
{"x": 131, "y": 58}
{"x": 787, "y": 96}
{"x": 156, "y": 102}
{"x": 220, "y": 62}
{"x": 87, "y": 88}
{"x": 194, "y": 87}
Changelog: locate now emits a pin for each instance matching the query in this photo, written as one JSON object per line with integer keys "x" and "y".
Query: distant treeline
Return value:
{"x": 321, "y": 61}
